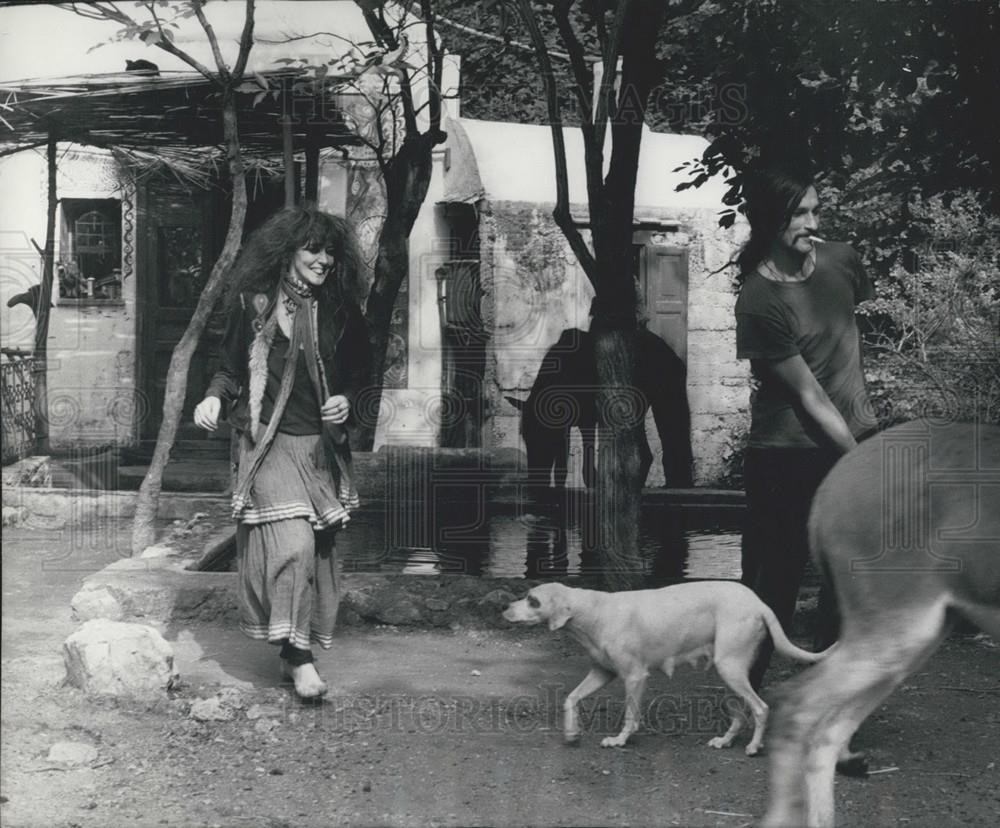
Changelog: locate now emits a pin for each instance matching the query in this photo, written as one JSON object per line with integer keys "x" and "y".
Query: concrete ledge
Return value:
{"x": 53, "y": 508}
{"x": 157, "y": 591}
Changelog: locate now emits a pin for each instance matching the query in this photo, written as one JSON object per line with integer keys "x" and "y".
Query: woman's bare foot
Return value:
{"x": 308, "y": 684}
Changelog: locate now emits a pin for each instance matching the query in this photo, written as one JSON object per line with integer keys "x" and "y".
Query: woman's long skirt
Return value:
{"x": 288, "y": 582}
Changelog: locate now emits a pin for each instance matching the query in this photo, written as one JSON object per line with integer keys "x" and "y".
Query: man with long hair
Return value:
{"x": 294, "y": 357}
{"x": 795, "y": 323}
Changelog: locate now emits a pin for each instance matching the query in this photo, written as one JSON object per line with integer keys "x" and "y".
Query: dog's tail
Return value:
{"x": 786, "y": 647}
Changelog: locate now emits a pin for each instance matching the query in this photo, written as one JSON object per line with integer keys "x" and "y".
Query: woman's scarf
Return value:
{"x": 302, "y": 309}
{"x": 299, "y": 300}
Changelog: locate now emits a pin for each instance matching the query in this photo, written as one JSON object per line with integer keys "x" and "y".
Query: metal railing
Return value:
{"x": 17, "y": 390}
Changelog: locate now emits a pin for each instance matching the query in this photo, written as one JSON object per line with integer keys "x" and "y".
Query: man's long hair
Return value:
{"x": 267, "y": 254}
{"x": 771, "y": 197}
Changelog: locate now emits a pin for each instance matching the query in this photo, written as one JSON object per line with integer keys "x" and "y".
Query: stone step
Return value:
{"x": 211, "y": 475}
{"x": 182, "y": 450}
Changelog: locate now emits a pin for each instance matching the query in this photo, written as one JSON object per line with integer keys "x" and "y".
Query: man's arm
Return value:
{"x": 819, "y": 416}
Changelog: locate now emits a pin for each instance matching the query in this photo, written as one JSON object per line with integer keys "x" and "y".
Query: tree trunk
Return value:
{"x": 618, "y": 495}
{"x": 143, "y": 531}
{"x": 44, "y": 310}
{"x": 408, "y": 176}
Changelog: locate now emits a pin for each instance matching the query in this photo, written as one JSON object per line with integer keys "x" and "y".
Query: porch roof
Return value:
{"x": 178, "y": 110}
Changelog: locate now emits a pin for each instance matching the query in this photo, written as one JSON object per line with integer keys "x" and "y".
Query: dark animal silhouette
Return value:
{"x": 563, "y": 397}
{"x": 147, "y": 67}
{"x": 32, "y": 297}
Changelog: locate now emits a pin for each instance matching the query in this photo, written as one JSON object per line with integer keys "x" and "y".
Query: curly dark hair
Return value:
{"x": 771, "y": 197}
{"x": 267, "y": 253}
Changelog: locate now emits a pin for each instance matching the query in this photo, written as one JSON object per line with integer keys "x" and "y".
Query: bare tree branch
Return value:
{"x": 386, "y": 38}
{"x": 246, "y": 41}
{"x": 525, "y": 47}
{"x": 110, "y": 12}
{"x": 605, "y": 103}
{"x": 212, "y": 39}
{"x": 561, "y": 214}
{"x": 593, "y": 152}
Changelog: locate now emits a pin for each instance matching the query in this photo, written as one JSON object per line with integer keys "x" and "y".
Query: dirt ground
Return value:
{"x": 426, "y": 728}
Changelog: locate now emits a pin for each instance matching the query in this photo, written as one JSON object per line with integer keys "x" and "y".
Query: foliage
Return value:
{"x": 733, "y": 452}
{"x": 934, "y": 330}
{"x": 888, "y": 101}
{"x": 500, "y": 77}
{"x": 227, "y": 79}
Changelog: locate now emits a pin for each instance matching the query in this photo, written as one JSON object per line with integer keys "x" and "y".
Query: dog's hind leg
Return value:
{"x": 635, "y": 685}
{"x": 592, "y": 682}
{"x": 733, "y": 671}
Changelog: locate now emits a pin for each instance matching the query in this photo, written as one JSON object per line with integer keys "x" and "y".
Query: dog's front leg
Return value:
{"x": 635, "y": 684}
{"x": 592, "y": 682}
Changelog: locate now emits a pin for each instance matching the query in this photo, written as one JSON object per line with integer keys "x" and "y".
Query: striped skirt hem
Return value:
{"x": 278, "y": 633}
{"x": 252, "y": 516}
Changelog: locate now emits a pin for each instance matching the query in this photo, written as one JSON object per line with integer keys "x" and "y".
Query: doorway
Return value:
{"x": 662, "y": 275}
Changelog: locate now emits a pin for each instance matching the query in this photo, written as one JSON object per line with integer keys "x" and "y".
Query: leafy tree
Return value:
{"x": 934, "y": 329}
{"x": 887, "y": 100}
{"x": 397, "y": 117}
{"x": 625, "y": 32}
{"x": 156, "y": 30}
{"x": 406, "y": 166}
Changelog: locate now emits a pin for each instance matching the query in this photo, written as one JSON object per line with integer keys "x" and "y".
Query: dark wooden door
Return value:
{"x": 663, "y": 281}
{"x": 177, "y": 253}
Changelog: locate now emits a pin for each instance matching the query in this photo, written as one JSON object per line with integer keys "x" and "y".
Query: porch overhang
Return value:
{"x": 171, "y": 112}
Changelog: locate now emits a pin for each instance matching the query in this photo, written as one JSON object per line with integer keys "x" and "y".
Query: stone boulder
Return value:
{"x": 96, "y": 601}
{"x": 72, "y": 754}
{"x": 113, "y": 658}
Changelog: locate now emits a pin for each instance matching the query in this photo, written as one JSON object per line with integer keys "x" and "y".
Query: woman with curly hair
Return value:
{"x": 294, "y": 357}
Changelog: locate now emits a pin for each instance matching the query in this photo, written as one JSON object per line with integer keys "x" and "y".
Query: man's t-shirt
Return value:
{"x": 814, "y": 318}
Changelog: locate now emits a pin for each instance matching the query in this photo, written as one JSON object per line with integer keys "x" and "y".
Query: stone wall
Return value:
{"x": 91, "y": 344}
{"x": 718, "y": 384}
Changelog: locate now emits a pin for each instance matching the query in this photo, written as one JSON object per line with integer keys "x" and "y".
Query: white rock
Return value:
{"x": 158, "y": 551}
{"x": 72, "y": 753}
{"x": 96, "y": 601}
{"x": 261, "y": 711}
{"x": 118, "y": 659}
{"x": 14, "y": 515}
{"x": 210, "y": 710}
{"x": 265, "y": 725}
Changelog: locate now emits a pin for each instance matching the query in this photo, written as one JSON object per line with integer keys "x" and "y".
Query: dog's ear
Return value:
{"x": 559, "y": 616}
{"x": 514, "y": 401}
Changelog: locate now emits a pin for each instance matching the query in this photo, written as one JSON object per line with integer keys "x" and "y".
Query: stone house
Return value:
{"x": 497, "y": 201}
{"x": 484, "y": 246}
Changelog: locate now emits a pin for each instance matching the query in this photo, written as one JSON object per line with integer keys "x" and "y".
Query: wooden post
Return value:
{"x": 288, "y": 150}
{"x": 44, "y": 307}
{"x": 312, "y": 165}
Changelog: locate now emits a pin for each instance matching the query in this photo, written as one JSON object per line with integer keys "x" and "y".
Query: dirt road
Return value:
{"x": 452, "y": 727}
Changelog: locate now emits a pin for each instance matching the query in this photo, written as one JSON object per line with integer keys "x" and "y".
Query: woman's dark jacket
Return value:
{"x": 342, "y": 340}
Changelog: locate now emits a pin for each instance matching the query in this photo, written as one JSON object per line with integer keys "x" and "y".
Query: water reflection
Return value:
{"x": 458, "y": 534}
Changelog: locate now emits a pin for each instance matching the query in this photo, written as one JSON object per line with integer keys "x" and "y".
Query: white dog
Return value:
{"x": 628, "y": 633}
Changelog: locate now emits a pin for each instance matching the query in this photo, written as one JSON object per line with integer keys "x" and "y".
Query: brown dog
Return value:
{"x": 907, "y": 527}
{"x": 629, "y": 633}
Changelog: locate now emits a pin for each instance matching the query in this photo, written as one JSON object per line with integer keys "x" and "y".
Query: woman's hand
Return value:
{"x": 206, "y": 413}
{"x": 335, "y": 409}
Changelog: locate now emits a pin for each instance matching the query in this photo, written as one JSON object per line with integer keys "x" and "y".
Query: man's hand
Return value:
{"x": 818, "y": 415}
{"x": 335, "y": 409}
{"x": 206, "y": 413}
